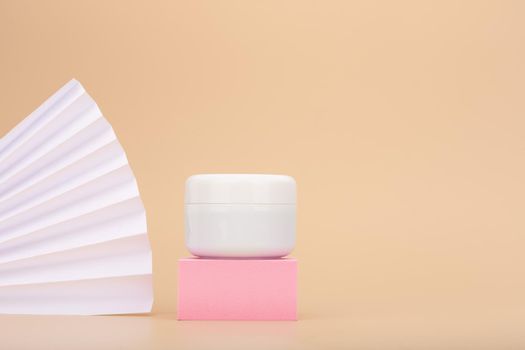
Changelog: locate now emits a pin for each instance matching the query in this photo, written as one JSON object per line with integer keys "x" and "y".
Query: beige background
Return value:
{"x": 402, "y": 121}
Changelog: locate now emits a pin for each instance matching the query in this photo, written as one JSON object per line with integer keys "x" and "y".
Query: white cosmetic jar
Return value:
{"x": 240, "y": 215}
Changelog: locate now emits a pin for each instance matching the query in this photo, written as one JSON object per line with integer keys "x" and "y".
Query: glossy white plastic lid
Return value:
{"x": 240, "y": 189}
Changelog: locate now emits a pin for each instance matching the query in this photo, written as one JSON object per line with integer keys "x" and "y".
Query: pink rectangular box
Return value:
{"x": 234, "y": 289}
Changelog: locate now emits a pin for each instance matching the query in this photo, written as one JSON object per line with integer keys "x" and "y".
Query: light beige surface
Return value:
{"x": 357, "y": 331}
{"x": 402, "y": 121}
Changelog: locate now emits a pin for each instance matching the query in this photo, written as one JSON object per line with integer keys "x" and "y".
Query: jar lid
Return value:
{"x": 240, "y": 189}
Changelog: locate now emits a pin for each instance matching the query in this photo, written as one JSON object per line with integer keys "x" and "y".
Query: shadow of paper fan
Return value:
{"x": 73, "y": 234}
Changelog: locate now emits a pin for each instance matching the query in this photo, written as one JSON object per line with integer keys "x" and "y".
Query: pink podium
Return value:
{"x": 237, "y": 289}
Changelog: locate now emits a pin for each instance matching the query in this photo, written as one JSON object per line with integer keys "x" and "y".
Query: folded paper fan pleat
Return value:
{"x": 73, "y": 233}
{"x": 115, "y": 295}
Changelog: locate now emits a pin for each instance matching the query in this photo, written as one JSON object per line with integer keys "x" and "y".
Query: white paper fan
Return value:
{"x": 73, "y": 234}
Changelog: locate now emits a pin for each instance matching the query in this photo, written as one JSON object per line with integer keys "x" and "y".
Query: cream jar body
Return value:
{"x": 240, "y": 215}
